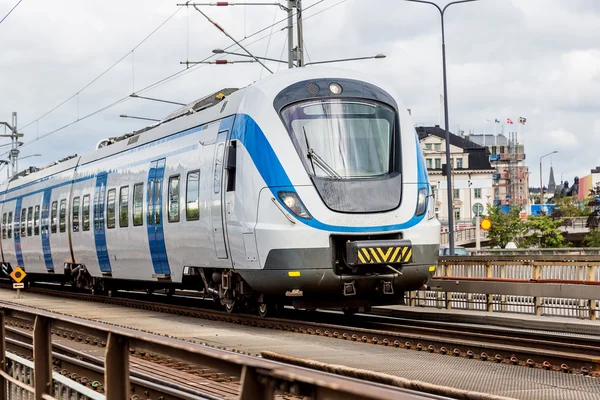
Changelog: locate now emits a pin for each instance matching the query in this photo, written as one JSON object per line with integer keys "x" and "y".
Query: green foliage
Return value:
{"x": 570, "y": 207}
{"x": 592, "y": 239}
{"x": 544, "y": 232}
{"x": 506, "y": 227}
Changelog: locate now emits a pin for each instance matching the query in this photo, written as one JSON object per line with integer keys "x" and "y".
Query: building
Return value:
{"x": 588, "y": 182}
{"x": 471, "y": 174}
{"x": 507, "y": 156}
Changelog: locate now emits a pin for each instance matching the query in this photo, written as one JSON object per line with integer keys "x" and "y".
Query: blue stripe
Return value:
{"x": 268, "y": 165}
{"x": 17, "y": 234}
{"x": 156, "y": 236}
{"x": 99, "y": 226}
{"x": 45, "y": 233}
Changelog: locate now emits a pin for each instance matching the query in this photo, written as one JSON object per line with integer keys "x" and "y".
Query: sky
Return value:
{"x": 538, "y": 59}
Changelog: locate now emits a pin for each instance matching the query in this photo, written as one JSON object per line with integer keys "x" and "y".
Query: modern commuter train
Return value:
{"x": 306, "y": 188}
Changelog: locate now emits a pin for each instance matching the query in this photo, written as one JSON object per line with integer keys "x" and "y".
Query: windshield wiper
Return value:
{"x": 316, "y": 159}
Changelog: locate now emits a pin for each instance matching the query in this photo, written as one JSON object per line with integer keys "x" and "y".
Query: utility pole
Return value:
{"x": 300, "y": 39}
{"x": 14, "y": 136}
{"x": 290, "y": 28}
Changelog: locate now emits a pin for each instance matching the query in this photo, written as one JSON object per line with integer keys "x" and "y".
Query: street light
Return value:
{"x": 377, "y": 56}
{"x": 133, "y": 117}
{"x": 448, "y": 161}
{"x": 541, "y": 181}
{"x": 221, "y": 51}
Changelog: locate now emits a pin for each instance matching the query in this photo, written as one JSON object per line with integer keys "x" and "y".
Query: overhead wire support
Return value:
{"x": 232, "y": 38}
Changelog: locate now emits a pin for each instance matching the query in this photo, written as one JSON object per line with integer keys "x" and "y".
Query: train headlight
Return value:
{"x": 335, "y": 88}
{"x": 422, "y": 198}
{"x": 293, "y": 203}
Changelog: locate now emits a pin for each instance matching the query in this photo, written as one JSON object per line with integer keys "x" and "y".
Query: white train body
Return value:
{"x": 276, "y": 190}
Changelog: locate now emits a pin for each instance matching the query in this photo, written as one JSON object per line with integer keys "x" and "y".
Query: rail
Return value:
{"x": 556, "y": 285}
{"x": 258, "y": 378}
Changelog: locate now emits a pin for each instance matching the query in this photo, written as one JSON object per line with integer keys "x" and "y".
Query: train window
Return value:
{"x": 174, "y": 199}
{"x": 30, "y": 221}
{"x": 36, "y": 221}
{"x": 53, "y": 215}
{"x": 76, "y": 214}
{"x": 150, "y": 201}
{"x": 10, "y": 224}
{"x": 4, "y": 226}
{"x": 85, "y": 212}
{"x": 110, "y": 208}
{"x": 218, "y": 168}
{"x": 192, "y": 196}
{"x": 23, "y": 222}
{"x": 63, "y": 215}
{"x": 124, "y": 207}
{"x": 138, "y": 204}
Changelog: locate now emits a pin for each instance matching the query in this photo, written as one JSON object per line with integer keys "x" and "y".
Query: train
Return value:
{"x": 307, "y": 188}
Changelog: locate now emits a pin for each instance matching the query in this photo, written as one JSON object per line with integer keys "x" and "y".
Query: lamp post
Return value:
{"x": 448, "y": 161}
{"x": 541, "y": 180}
{"x": 377, "y": 56}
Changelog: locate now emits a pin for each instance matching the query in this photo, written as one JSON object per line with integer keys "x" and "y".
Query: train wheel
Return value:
{"x": 230, "y": 308}
{"x": 170, "y": 291}
{"x": 350, "y": 311}
{"x": 149, "y": 291}
{"x": 268, "y": 310}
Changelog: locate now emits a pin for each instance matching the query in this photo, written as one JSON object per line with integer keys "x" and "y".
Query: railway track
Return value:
{"x": 551, "y": 351}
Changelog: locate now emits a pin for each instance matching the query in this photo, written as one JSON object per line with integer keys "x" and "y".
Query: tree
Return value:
{"x": 506, "y": 226}
{"x": 592, "y": 239}
{"x": 544, "y": 232}
{"x": 570, "y": 207}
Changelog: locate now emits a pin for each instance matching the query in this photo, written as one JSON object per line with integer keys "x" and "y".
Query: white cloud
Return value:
{"x": 506, "y": 58}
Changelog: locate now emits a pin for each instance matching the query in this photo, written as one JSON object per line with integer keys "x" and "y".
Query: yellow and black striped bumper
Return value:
{"x": 379, "y": 252}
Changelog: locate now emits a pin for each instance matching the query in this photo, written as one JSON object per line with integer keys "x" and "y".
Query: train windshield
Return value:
{"x": 342, "y": 139}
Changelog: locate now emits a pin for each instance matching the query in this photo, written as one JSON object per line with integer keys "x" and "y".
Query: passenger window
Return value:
{"x": 76, "y": 214}
{"x": 45, "y": 217}
{"x": 10, "y": 224}
{"x": 110, "y": 207}
{"x": 124, "y": 207}
{"x": 63, "y": 215}
{"x": 138, "y": 204}
{"x": 150, "y": 202}
{"x": 36, "y": 221}
{"x": 174, "y": 199}
{"x": 53, "y": 215}
{"x": 30, "y": 221}
{"x": 192, "y": 197}
{"x": 4, "y": 226}
{"x": 23, "y": 222}
{"x": 85, "y": 212}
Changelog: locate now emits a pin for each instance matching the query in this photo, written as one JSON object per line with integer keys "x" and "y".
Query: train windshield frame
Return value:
{"x": 343, "y": 138}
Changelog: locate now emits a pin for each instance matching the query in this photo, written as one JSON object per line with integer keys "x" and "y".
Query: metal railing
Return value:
{"x": 467, "y": 234}
{"x": 557, "y": 285}
{"x": 258, "y": 378}
{"x": 463, "y": 235}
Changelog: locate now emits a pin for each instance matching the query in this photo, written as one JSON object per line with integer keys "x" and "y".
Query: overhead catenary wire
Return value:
{"x": 105, "y": 71}
{"x": 10, "y": 12}
{"x": 166, "y": 79}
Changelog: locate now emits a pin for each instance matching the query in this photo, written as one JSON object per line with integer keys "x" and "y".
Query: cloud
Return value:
{"x": 506, "y": 58}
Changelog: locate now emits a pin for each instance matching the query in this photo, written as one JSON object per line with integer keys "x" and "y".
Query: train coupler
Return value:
{"x": 388, "y": 287}
{"x": 349, "y": 289}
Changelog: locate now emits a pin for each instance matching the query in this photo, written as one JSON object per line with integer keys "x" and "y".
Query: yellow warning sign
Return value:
{"x": 18, "y": 275}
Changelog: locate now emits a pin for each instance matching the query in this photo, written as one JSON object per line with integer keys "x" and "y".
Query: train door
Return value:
{"x": 99, "y": 226}
{"x": 216, "y": 208}
{"x": 156, "y": 237}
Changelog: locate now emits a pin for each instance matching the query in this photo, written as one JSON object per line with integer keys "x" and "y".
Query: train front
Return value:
{"x": 345, "y": 217}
